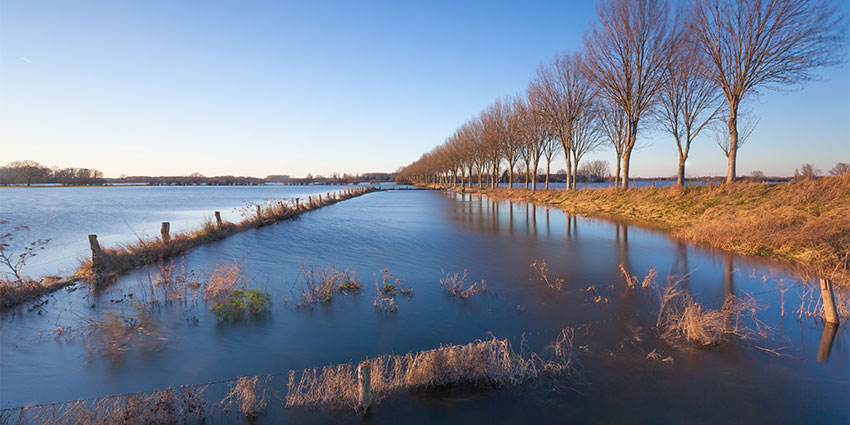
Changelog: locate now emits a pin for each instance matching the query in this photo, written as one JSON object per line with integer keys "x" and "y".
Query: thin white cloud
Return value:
{"x": 25, "y": 59}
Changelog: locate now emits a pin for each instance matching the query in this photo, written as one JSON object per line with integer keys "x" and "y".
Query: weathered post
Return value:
{"x": 364, "y": 381}
{"x": 310, "y": 201}
{"x": 218, "y": 219}
{"x": 830, "y": 313}
{"x": 165, "y": 230}
{"x": 96, "y": 253}
{"x": 320, "y": 199}
{"x": 297, "y": 204}
{"x": 258, "y": 211}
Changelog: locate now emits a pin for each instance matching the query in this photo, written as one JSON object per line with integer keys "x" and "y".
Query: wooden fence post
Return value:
{"x": 258, "y": 211}
{"x": 830, "y": 313}
{"x": 218, "y": 219}
{"x": 320, "y": 199}
{"x": 96, "y": 253}
{"x": 297, "y": 204}
{"x": 310, "y": 201}
{"x": 165, "y": 230}
{"x": 364, "y": 381}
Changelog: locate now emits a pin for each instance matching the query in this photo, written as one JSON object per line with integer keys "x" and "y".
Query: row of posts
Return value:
{"x": 165, "y": 230}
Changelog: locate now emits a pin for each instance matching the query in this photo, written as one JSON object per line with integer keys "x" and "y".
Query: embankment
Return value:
{"x": 806, "y": 221}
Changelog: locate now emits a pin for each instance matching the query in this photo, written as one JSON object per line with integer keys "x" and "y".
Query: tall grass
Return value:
{"x": 490, "y": 362}
{"x": 162, "y": 407}
{"x": 458, "y": 285}
{"x": 316, "y": 284}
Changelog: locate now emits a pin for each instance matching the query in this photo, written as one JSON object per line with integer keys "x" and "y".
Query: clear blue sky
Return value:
{"x": 257, "y": 88}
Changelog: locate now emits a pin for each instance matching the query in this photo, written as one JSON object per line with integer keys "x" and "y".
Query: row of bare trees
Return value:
{"x": 31, "y": 172}
{"x": 643, "y": 64}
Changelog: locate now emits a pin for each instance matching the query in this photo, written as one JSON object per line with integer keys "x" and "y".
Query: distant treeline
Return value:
{"x": 30, "y": 172}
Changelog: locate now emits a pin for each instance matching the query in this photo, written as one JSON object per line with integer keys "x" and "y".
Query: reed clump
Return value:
{"x": 163, "y": 407}
{"x": 490, "y": 362}
{"x": 248, "y": 395}
{"x": 683, "y": 319}
{"x": 458, "y": 285}
{"x": 318, "y": 285}
{"x": 553, "y": 282}
{"x": 803, "y": 220}
{"x": 15, "y": 292}
{"x": 386, "y": 289}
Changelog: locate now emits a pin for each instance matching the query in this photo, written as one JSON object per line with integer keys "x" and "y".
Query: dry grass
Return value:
{"x": 632, "y": 281}
{"x": 164, "y": 407}
{"x": 683, "y": 319}
{"x": 481, "y": 363}
{"x": 457, "y": 284}
{"x": 554, "y": 282}
{"x": 14, "y": 292}
{"x": 248, "y": 394}
{"x": 122, "y": 258}
{"x": 318, "y": 285}
{"x": 386, "y": 289}
{"x": 805, "y": 220}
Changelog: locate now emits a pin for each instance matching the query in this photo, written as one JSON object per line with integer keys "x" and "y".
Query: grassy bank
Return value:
{"x": 805, "y": 221}
{"x": 113, "y": 261}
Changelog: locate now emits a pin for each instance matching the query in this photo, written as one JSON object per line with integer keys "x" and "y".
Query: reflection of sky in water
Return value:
{"x": 415, "y": 234}
{"x": 122, "y": 214}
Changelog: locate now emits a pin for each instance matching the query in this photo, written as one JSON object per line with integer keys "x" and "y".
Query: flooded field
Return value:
{"x": 789, "y": 370}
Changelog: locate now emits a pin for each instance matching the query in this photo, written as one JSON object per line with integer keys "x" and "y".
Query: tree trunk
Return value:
{"x": 534, "y": 173}
{"x": 510, "y": 175}
{"x": 619, "y": 167}
{"x": 547, "y": 174}
{"x": 626, "y": 156}
{"x": 680, "y": 180}
{"x": 569, "y": 168}
{"x": 733, "y": 142}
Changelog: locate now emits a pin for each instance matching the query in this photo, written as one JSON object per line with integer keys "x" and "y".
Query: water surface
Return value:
{"x": 416, "y": 234}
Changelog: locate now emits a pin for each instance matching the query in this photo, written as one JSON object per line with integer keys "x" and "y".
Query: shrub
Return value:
{"x": 238, "y": 302}
{"x": 456, "y": 284}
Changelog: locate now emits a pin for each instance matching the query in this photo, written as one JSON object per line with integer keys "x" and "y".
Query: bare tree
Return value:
{"x": 562, "y": 93}
{"x": 840, "y": 169}
{"x": 595, "y": 170}
{"x": 688, "y": 99}
{"x": 550, "y": 149}
{"x": 613, "y": 125}
{"x": 755, "y": 44}
{"x": 626, "y": 55}
{"x": 724, "y": 138}
{"x": 587, "y": 137}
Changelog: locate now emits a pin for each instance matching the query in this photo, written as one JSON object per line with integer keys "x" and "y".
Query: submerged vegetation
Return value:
{"x": 458, "y": 285}
{"x": 318, "y": 285}
{"x": 490, "y": 362}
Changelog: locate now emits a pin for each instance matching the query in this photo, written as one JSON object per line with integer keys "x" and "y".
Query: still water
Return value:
{"x": 416, "y": 234}
{"x": 121, "y": 214}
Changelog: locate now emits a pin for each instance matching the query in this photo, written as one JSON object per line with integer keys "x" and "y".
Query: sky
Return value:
{"x": 260, "y": 88}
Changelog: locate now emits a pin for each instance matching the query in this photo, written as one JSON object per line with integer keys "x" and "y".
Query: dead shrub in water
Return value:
{"x": 456, "y": 284}
{"x": 249, "y": 394}
{"x": 318, "y": 285}
{"x": 18, "y": 288}
{"x": 681, "y": 318}
{"x": 555, "y": 282}
{"x": 164, "y": 407}
{"x": 632, "y": 281}
{"x": 490, "y": 362}
{"x": 386, "y": 290}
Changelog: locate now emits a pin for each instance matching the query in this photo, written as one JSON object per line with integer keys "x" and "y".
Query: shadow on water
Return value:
{"x": 797, "y": 373}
